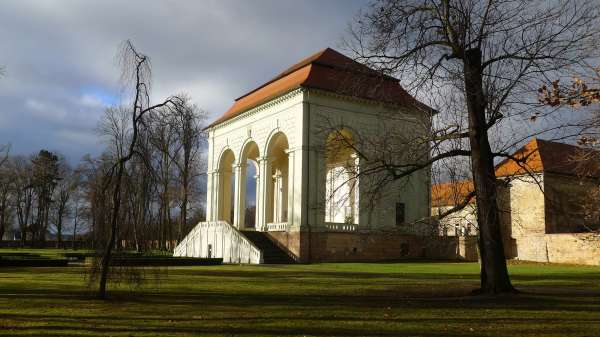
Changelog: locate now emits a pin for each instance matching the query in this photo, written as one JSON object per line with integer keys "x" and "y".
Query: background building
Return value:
{"x": 548, "y": 201}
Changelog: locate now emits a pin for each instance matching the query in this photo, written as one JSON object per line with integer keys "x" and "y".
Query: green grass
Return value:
{"x": 350, "y": 299}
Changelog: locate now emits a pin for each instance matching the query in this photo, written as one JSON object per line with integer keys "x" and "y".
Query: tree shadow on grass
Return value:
{"x": 329, "y": 325}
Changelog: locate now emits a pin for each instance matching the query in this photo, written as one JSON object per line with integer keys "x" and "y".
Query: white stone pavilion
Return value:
{"x": 276, "y": 194}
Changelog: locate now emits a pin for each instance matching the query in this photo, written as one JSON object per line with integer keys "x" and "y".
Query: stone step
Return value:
{"x": 272, "y": 254}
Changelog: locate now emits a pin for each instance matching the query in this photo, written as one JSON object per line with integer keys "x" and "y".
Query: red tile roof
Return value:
{"x": 552, "y": 157}
{"x": 451, "y": 193}
{"x": 331, "y": 71}
{"x": 539, "y": 156}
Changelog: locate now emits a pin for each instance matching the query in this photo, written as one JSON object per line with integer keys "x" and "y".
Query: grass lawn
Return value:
{"x": 350, "y": 299}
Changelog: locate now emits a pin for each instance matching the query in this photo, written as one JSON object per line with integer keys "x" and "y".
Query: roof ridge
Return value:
{"x": 317, "y": 59}
{"x": 326, "y": 70}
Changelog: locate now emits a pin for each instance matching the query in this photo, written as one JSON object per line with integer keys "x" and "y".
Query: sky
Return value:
{"x": 60, "y": 71}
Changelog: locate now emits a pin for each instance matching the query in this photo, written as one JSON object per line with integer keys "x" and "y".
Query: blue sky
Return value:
{"x": 59, "y": 57}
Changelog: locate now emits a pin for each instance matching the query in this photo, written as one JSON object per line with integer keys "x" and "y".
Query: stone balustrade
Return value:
{"x": 218, "y": 239}
{"x": 341, "y": 227}
{"x": 277, "y": 227}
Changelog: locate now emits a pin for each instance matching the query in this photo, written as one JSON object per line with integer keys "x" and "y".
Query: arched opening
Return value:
{"x": 341, "y": 189}
{"x": 226, "y": 185}
{"x": 277, "y": 186}
{"x": 249, "y": 176}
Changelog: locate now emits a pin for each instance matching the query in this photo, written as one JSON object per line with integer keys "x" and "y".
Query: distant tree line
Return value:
{"x": 44, "y": 194}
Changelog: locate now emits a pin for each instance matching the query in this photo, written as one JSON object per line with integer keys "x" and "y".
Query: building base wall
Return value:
{"x": 323, "y": 246}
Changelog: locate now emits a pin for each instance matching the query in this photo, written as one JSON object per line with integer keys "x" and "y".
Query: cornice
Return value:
{"x": 268, "y": 104}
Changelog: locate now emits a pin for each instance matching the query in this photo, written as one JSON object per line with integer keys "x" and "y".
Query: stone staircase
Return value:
{"x": 218, "y": 239}
{"x": 272, "y": 254}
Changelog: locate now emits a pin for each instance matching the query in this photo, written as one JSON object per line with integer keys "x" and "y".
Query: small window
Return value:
{"x": 400, "y": 213}
{"x": 404, "y": 249}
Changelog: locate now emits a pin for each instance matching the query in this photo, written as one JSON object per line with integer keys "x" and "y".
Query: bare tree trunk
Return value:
{"x": 184, "y": 205}
{"x": 113, "y": 230}
{"x": 59, "y": 231}
{"x": 73, "y": 239}
{"x": 494, "y": 274}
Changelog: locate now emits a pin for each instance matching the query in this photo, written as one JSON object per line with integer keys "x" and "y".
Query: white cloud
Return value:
{"x": 91, "y": 101}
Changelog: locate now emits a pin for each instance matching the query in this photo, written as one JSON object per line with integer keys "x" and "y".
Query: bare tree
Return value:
{"x": 136, "y": 74}
{"x": 45, "y": 177}
{"x": 163, "y": 139}
{"x": 188, "y": 120}
{"x": 5, "y": 200}
{"x": 488, "y": 55}
{"x": 22, "y": 184}
{"x": 62, "y": 195}
{"x": 4, "y": 152}
{"x": 96, "y": 208}
{"x": 77, "y": 205}
{"x": 582, "y": 93}
{"x": 5, "y": 183}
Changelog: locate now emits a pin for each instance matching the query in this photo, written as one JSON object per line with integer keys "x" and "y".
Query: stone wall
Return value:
{"x": 526, "y": 209}
{"x": 291, "y": 242}
{"x": 373, "y": 246}
{"x": 577, "y": 248}
{"x": 566, "y": 201}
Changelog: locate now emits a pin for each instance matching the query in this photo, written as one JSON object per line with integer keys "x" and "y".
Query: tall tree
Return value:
{"x": 5, "y": 200}
{"x": 188, "y": 120}
{"x": 488, "y": 54}
{"x": 136, "y": 74}
{"x": 77, "y": 201}
{"x": 45, "y": 178}
{"x": 22, "y": 184}
{"x": 62, "y": 195}
{"x": 163, "y": 139}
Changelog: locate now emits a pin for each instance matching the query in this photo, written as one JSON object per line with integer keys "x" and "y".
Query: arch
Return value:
{"x": 248, "y": 192}
{"x": 249, "y": 149}
{"x": 276, "y": 151}
{"x": 341, "y": 177}
{"x": 225, "y": 192}
{"x": 275, "y": 133}
{"x": 224, "y": 155}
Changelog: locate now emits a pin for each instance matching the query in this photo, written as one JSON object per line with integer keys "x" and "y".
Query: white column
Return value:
{"x": 209, "y": 195}
{"x": 239, "y": 209}
{"x": 216, "y": 196}
{"x": 262, "y": 199}
{"x": 277, "y": 196}
{"x": 356, "y": 189}
{"x": 257, "y": 193}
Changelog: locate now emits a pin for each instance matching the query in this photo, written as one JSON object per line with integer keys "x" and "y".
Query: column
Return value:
{"x": 209, "y": 195}
{"x": 216, "y": 196}
{"x": 277, "y": 196}
{"x": 356, "y": 189}
{"x": 239, "y": 209}
{"x": 262, "y": 187}
{"x": 256, "y": 194}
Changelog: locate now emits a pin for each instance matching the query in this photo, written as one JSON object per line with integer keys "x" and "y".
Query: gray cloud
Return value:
{"x": 61, "y": 71}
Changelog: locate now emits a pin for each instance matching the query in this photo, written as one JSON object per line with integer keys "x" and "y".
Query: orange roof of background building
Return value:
{"x": 537, "y": 156}
{"x": 546, "y": 156}
{"x": 331, "y": 71}
{"x": 451, "y": 193}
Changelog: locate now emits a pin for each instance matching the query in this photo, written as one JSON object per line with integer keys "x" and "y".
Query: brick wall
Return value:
{"x": 373, "y": 246}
